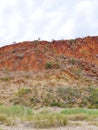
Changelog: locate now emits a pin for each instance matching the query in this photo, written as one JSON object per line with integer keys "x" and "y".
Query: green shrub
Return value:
{"x": 15, "y": 111}
{"x": 48, "y": 65}
{"x": 54, "y": 103}
{"x": 23, "y": 91}
{"x": 94, "y": 97}
{"x": 68, "y": 94}
{"x": 73, "y": 61}
{"x": 54, "y": 65}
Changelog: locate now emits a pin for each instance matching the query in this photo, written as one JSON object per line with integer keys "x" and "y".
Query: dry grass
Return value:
{"x": 78, "y": 117}
{"x": 95, "y": 123}
{"x": 46, "y": 118}
{"x": 4, "y": 119}
{"x": 42, "y": 119}
{"x": 49, "y": 120}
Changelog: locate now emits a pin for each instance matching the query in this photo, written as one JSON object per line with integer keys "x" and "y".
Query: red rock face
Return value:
{"x": 34, "y": 55}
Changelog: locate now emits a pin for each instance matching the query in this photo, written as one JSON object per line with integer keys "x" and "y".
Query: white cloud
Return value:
{"x": 49, "y": 19}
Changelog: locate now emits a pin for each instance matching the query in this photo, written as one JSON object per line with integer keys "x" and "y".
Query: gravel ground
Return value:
{"x": 22, "y": 127}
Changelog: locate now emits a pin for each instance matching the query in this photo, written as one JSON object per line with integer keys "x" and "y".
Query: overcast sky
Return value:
{"x": 22, "y": 20}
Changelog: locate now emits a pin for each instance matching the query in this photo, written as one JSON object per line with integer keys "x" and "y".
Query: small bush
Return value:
{"x": 94, "y": 97}
{"x": 48, "y": 65}
{"x": 23, "y": 91}
{"x": 5, "y": 120}
{"x": 54, "y": 103}
{"x": 54, "y": 65}
{"x": 5, "y": 79}
{"x": 73, "y": 61}
{"x": 68, "y": 94}
{"x": 49, "y": 120}
{"x": 15, "y": 111}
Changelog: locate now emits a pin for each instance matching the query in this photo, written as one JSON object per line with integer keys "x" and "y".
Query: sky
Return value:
{"x": 28, "y": 20}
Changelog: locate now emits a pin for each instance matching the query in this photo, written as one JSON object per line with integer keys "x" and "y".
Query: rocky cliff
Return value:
{"x": 35, "y": 55}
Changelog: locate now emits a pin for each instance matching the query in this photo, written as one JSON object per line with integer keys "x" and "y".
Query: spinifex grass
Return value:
{"x": 39, "y": 119}
{"x": 47, "y": 118}
{"x": 16, "y": 111}
{"x": 81, "y": 113}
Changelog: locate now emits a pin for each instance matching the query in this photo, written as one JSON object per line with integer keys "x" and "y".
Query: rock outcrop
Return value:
{"x": 34, "y": 55}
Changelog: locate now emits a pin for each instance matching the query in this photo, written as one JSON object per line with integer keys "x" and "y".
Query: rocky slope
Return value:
{"x": 35, "y": 55}
{"x": 59, "y": 73}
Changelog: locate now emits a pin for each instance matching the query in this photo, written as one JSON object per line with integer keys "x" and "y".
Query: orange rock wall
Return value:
{"x": 34, "y": 55}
